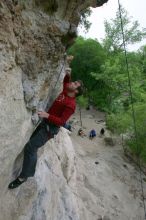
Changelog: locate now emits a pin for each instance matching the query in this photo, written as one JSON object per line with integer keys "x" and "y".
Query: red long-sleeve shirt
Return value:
{"x": 63, "y": 107}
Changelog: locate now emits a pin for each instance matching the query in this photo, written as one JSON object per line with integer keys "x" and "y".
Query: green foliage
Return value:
{"x": 123, "y": 123}
{"x": 114, "y": 39}
{"x": 138, "y": 142}
{"x": 103, "y": 70}
{"x": 88, "y": 57}
{"x": 84, "y": 22}
{"x": 82, "y": 101}
{"x": 119, "y": 123}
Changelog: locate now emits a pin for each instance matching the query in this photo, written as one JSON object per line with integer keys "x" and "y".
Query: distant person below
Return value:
{"x": 92, "y": 134}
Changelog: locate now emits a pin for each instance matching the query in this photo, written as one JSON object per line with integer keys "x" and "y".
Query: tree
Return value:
{"x": 114, "y": 40}
{"x": 88, "y": 57}
{"x": 84, "y": 22}
{"x": 142, "y": 54}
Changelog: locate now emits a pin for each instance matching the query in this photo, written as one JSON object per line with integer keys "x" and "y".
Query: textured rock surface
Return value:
{"x": 33, "y": 37}
{"x": 51, "y": 194}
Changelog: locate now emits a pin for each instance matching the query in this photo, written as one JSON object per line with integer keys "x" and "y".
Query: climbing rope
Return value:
{"x": 81, "y": 124}
{"x": 49, "y": 103}
{"x": 133, "y": 111}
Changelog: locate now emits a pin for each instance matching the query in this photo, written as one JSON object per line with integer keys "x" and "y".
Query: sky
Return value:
{"x": 135, "y": 8}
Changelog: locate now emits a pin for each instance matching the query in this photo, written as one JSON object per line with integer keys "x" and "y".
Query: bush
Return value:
{"x": 119, "y": 123}
{"x": 82, "y": 101}
{"x": 123, "y": 123}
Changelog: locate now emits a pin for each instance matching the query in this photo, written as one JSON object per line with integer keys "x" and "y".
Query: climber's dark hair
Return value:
{"x": 80, "y": 88}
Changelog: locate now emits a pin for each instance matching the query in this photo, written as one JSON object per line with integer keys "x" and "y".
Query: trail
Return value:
{"x": 109, "y": 189}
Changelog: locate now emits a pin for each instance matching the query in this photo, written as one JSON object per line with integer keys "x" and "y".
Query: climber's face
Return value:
{"x": 73, "y": 86}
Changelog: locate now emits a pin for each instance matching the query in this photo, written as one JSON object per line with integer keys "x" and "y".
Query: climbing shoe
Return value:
{"x": 17, "y": 182}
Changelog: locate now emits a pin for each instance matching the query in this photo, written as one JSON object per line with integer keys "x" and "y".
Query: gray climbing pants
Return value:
{"x": 42, "y": 134}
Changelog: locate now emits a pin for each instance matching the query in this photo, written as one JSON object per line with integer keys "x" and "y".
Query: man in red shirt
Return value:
{"x": 62, "y": 108}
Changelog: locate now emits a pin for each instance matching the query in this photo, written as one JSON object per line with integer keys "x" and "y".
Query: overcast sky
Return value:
{"x": 135, "y": 8}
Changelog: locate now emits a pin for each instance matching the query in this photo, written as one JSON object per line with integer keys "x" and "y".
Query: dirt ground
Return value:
{"x": 108, "y": 183}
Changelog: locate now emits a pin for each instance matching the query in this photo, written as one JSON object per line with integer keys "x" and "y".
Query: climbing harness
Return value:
{"x": 133, "y": 111}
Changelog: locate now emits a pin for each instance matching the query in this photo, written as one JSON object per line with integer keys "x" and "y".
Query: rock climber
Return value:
{"x": 60, "y": 111}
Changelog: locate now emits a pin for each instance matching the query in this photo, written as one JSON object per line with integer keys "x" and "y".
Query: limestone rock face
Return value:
{"x": 33, "y": 37}
{"x": 51, "y": 194}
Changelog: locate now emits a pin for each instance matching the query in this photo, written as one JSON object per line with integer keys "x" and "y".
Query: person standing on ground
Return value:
{"x": 92, "y": 134}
